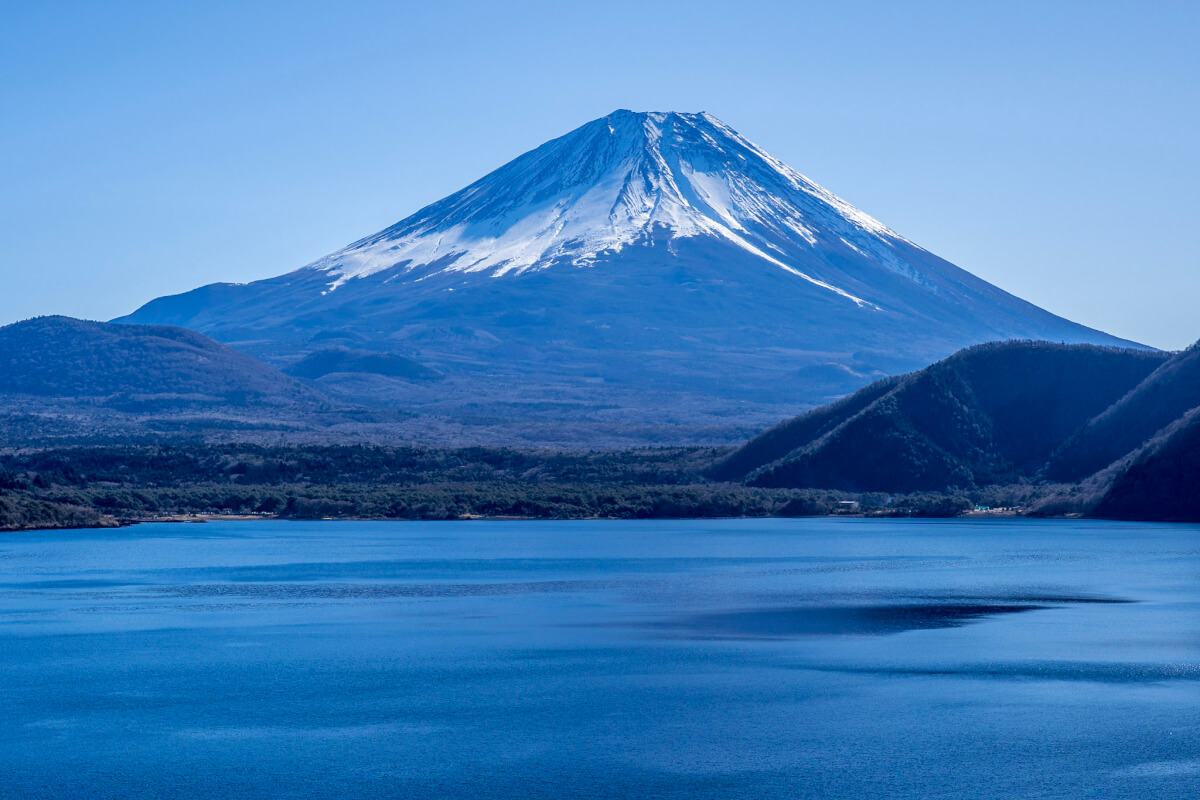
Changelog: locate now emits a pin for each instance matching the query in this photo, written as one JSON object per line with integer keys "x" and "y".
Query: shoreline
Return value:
{"x": 200, "y": 519}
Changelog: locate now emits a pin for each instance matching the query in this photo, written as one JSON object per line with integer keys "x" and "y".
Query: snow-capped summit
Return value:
{"x": 654, "y": 275}
{"x": 623, "y": 180}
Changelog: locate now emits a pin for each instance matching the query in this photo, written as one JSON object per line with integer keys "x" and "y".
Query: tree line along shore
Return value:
{"x": 109, "y": 485}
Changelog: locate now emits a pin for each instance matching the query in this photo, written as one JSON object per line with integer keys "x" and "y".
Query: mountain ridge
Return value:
{"x": 990, "y": 414}
{"x": 64, "y": 357}
{"x": 70, "y": 380}
{"x": 1148, "y": 409}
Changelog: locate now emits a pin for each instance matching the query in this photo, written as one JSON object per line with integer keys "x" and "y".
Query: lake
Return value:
{"x": 820, "y": 658}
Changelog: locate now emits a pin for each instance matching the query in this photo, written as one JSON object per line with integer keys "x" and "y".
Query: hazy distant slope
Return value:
{"x": 341, "y": 360}
{"x": 61, "y": 357}
{"x": 1166, "y": 395}
{"x": 989, "y": 414}
{"x": 659, "y": 263}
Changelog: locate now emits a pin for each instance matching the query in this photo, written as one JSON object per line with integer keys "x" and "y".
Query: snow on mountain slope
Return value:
{"x": 609, "y": 185}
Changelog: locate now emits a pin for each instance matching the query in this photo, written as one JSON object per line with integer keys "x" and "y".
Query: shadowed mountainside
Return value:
{"x": 1161, "y": 481}
{"x": 987, "y": 415}
{"x": 1156, "y": 403}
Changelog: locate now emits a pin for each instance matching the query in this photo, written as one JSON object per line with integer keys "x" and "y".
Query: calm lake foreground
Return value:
{"x": 823, "y": 658}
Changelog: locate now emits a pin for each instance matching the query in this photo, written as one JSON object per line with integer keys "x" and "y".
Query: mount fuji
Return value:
{"x": 648, "y": 277}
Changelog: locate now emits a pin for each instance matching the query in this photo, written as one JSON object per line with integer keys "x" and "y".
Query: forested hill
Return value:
{"x": 989, "y": 414}
{"x": 1153, "y": 405}
{"x": 1161, "y": 480}
{"x": 1107, "y": 432}
{"x": 73, "y": 359}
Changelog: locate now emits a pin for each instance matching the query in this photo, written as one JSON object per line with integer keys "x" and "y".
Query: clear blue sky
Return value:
{"x": 148, "y": 148}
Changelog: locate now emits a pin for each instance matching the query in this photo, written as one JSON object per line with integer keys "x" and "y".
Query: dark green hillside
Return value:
{"x": 1166, "y": 395}
{"x": 49, "y": 488}
{"x": 19, "y": 511}
{"x": 61, "y": 357}
{"x": 1161, "y": 481}
{"x": 98, "y": 485}
{"x": 989, "y": 414}
{"x": 777, "y": 442}
{"x": 334, "y": 360}
{"x": 330, "y": 465}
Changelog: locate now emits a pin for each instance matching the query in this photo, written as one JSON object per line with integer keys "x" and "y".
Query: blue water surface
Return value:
{"x": 695, "y": 659}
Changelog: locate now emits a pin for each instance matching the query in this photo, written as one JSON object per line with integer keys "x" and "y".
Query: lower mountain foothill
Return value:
{"x": 104, "y": 424}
